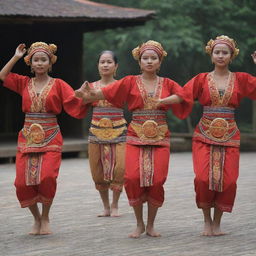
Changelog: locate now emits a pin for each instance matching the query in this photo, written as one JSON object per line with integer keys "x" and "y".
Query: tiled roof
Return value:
{"x": 69, "y": 9}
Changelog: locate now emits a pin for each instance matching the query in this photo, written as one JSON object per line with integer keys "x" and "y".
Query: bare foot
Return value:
{"x": 45, "y": 228}
{"x": 137, "y": 232}
{"x": 216, "y": 231}
{"x": 151, "y": 232}
{"x": 36, "y": 228}
{"x": 207, "y": 229}
{"x": 106, "y": 213}
{"x": 114, "y": 212}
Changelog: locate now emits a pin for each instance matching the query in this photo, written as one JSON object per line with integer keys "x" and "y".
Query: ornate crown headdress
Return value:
{"x": 149, "y": 45}
{"x": 49, "y": 49}
{"x": 222, "y": 40}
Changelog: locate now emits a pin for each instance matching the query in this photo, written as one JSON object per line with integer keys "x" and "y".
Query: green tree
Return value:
{"x": 183, "y": 28}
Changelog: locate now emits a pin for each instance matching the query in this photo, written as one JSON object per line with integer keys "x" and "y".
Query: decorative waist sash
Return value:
{"x": 107, "y": 126}
{"x": 217, "y": 125}
{"x": 39, "y": 130}
{"x": 150, "y": 127}
{"x": 218, "y": 128}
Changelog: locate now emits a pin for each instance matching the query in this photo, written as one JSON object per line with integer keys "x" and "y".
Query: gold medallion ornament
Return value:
{"x": 35, "y": 134}
{"x": 149, "y": 129}
{"x": 218, "y": 127}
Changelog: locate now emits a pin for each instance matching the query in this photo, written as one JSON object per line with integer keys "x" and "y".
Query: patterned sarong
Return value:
{"x": 146, "y": 166}
{"x": 217, "y": 159}
{"x": 108, "y": 158}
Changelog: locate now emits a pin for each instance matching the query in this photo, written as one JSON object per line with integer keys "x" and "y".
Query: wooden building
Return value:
{"x": 62, "y": 22}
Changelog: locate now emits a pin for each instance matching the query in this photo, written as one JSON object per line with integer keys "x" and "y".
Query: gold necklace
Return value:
{"x": 216, "y": 81}
{"x": 154, "y": 87}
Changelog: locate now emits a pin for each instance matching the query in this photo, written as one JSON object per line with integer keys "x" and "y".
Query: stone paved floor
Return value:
{"x": 78, "y": 232}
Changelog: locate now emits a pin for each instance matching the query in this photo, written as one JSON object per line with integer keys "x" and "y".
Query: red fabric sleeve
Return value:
{"x": 72, "y": 105}
{"x": 117, "y": 92}
{"x": 191, "y": 91}
{"x": 247, "y": 85}
{"x": 16, "y": 82}
{"x": 180, "y": 110}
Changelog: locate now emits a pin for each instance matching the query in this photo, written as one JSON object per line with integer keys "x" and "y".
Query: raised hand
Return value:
{"x": 20, "y": 50}
{"x": 86, "y": 92}
{"x": 254, "y": 57}
{"x": 82, "y": 90}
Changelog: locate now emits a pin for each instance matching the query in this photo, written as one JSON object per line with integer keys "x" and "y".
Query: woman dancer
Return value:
{"x": 39, "y": 142}
{"x": 147, "y": 143}
{"x": 216, "y": 138}
{"x": 107, "y": 140}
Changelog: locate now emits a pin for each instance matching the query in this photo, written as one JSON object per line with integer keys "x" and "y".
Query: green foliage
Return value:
{"x": 183, "y": 28}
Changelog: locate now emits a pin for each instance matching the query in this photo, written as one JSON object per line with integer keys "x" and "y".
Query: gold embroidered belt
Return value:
{"x": 39, "y": 128}
{"x": 107, "y": 124}
{"x": 218, "y": 124}
{"x": 106, "y": 129}
{"x": 150, "y": 125}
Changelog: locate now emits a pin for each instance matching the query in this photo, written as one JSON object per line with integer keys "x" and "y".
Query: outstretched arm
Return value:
{"x": 89, "y": 94}
{"x": 20, "y": 51}
{"x": 173, "y": 99}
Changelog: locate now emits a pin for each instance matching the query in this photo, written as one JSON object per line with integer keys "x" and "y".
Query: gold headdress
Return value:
{"x": 149, "y": 45}
{"x": 222, "y": 40}
{"x": 41, "y": 47}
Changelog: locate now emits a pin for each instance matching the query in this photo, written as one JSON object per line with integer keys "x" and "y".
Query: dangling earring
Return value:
{"x": 158, "y": 70}
{"x": 50, "y": 69}
{"x": 32, "y": 70}
{"x": 140, "y": 68}
{"x": 114, "y": 75}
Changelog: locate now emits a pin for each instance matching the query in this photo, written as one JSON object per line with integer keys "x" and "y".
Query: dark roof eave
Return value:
{"x": 68, "y": 9}
{"x": 82, "y": 25}
{"x": 22, "y": 19}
